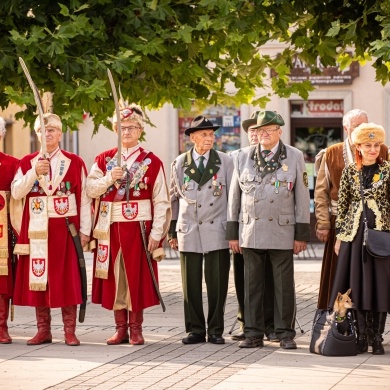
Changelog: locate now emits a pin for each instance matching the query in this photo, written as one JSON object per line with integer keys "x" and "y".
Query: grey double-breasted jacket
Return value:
{"x": 269, "y": 206}
{"x": 199, "y": 202}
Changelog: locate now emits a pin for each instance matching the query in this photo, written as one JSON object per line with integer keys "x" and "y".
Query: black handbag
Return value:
{"x": 377, "y": 243}
{"x": 327, "y": 340}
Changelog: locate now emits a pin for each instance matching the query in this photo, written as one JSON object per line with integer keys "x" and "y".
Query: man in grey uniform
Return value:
{"x": 269, "y": 214}
{"x": 200, "y": 181}
{"x": 238, "y": 262}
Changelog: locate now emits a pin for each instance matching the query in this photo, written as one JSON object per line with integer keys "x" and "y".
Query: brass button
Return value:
{"x": 179, "y": 230}
{"x": 270, "y": 219}
{"x": 199, "y": 205}
{"x": 211, "y": 204}
{"x": 211, "y": 221}
{"x": 200, "y": 222}
{"x": 256, "y": 200}
{"x": 199, "y": 189}
{"x": 256, "y": 218}
{"x": 287, "y": 221}
{"x": 271, "y": 201}
{"x": 209, "y": 187}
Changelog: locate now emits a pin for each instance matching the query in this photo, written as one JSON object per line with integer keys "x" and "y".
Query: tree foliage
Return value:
{"x": 177, "y": 51}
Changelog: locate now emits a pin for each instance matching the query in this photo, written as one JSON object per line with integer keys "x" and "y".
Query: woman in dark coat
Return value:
{"x": 367, "y": 276}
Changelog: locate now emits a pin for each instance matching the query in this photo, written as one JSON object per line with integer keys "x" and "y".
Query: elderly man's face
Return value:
{"x": 268, "y": 136}
{"x": 53, "y": 138}
{"x": 252, "y": 136}
{"x": 355, "y": 122}
{"x": 203, "y": 140}
{"x": 131, "y": 131}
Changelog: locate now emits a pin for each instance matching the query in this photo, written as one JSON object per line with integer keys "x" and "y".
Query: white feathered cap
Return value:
{"x": 50, "y": 120}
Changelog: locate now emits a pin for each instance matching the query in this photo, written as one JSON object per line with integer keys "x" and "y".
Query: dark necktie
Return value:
{"x": 266, "y": 153}
{"x": 201, "y": 165}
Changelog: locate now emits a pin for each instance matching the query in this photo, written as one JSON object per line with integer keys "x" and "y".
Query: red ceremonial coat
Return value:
{"x": 127, "y": 237}
{"x": 8, "y": 166}
{"x": 64, "y": 284}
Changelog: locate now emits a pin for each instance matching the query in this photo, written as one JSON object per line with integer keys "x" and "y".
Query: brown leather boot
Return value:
{"x": 121, "y": 335}
{"x": 69, "y": 320}
{"x": 43, "y": 324}
{"x": 4, "y": 310}
{"x": 135, "y": 325}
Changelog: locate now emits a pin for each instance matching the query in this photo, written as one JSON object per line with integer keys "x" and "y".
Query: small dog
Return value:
{"x": 341, "y": 305}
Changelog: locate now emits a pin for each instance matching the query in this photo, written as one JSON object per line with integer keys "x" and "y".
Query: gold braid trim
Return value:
{"x": 371, "y": 203}
{"x": 37, "y": 286}
{"x": 37, "y": 235}
{"x": 101, "y": 274}
{"x": 4, "y": 253}
{"x": 101, "y": 234}
{"x": 22, "y": 249}
{"x": 349, "y": 236}
{"x": 3, "y": 266}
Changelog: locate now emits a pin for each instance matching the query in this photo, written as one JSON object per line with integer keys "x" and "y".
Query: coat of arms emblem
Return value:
{"x": 130, "y": 210}
{"x": 102, "y": 253}
{"x": 37, "y": 205}
{"x": 38, "y": 266}
{"x": 61, "y": 205}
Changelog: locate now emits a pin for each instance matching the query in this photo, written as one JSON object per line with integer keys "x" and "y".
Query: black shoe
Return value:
{"x": 362, "y": 344}
{"x": 252, "y": 342}
{"x": 272, "y": 337}
{"x": 288, "y": 343}
{"x": 239, "y": 336}
{"x": 215, "y": 339}
{"x": 193, "y": 338}
{"x": 377, "y": 346}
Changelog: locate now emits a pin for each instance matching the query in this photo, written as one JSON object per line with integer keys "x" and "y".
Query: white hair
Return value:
{"x": 355, "y": 113}
{"x": 3, "y": 129}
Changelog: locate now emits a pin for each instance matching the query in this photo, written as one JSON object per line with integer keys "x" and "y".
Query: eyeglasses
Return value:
{"x": 129, "y": 129}
{"x": 268, "y": 131}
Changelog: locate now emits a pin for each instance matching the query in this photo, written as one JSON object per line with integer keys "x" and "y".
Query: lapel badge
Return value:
{"x": 192, "y": 171}
{"x": 285, "y": 167}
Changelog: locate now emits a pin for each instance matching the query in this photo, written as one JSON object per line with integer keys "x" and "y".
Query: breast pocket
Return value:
{"x": 182, "y": 227}
{"x": 285, "y": 220}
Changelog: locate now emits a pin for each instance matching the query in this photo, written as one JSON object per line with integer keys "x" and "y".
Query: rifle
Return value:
{"x": 155, "y": 284}
{"x": 83, "y": 272}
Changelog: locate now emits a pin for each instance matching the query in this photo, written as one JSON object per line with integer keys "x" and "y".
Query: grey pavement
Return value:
{"x": 165, "y": 363}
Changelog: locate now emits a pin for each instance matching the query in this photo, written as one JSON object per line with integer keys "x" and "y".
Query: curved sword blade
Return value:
{"x": 118, "y": 117}
{"x": 38, "y": 102}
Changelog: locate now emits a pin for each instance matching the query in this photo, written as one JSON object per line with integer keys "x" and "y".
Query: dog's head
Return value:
{"x": 342, "y": 303}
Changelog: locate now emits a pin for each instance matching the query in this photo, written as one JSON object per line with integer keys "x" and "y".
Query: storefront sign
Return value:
{"x": 332, "y": 75}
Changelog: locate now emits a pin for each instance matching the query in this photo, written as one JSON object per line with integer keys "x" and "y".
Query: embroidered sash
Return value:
{"x": 41, "y": 209}
{"x": 4, "y": 196}
{"x": 119, "y": 212}
{"x": 138, "y": 210}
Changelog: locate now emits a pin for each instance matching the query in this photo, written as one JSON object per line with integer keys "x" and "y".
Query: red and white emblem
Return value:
{"x": 2, "y": 202}
{"x": 129, "y": 210}
{"x": 61, "y": 205}
{"x": 1, "y": 231}
{"x": 38, "y": 267}
{"x": 102, "y": 253}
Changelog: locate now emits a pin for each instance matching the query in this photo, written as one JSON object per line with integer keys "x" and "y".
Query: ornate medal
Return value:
{"x": 285, "y": 167}
{"x": 217, "y": 192}
{"x": 141, "y": 185}
{"x": 121, "y": 191}
{"x": 277, "y": 184}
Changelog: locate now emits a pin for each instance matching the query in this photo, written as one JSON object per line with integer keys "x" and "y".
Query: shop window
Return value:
{"x": 227, "y": 137}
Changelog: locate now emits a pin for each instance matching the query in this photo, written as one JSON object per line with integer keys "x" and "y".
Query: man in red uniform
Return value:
{"x": 127, "y": 197}
{"x": 53, "y": 191}
{"x": 8, "y": 166}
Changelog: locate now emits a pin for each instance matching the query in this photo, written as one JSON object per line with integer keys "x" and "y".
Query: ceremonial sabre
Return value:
{"x": 39, "y": 104}
{"x": 148, "y": 257}
{"x": 118, "y": 118}
{"x": 83, "y": 272}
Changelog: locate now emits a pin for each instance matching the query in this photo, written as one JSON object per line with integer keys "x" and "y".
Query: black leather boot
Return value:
{"x": 370, "y": 329}
{"x": 362, "y": 345}
{"x": 379, "y": 327}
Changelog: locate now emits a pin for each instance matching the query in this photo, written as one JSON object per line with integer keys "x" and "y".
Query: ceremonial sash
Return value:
{"x": 41, "y": 209}
{"x": 4, "y": 198}
{"x": 138, "y": 210}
